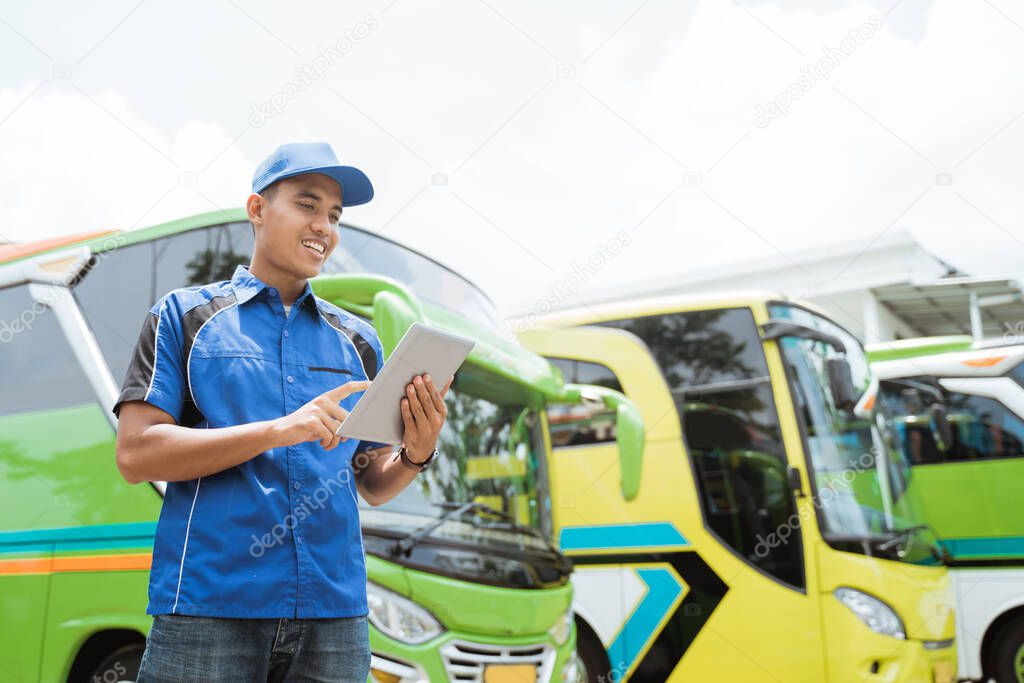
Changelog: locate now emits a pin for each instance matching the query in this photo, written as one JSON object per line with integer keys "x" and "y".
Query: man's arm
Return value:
{"x": 379, "y": 476}
{"x": 152, "y": 447}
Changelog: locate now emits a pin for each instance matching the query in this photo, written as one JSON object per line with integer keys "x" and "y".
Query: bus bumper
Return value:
{"x": 462, "y": 656}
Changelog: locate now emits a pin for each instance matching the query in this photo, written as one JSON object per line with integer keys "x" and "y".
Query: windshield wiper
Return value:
{"x": 405, "y": 544}
{"x": 511, "y": 523}
{"x": 900, "y": 536}
{"x": 455, "y": 509}
{"x": 885, "y": 541}
{"x": 939, "y": 550}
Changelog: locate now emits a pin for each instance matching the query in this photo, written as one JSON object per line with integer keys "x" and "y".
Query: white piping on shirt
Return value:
{"x": 184, "y": 547}
{"x": 188, "y": 361}
{"x": 156, "y": 347}
{"x": 188, "y": 379}
{"x": 352, "y": 490}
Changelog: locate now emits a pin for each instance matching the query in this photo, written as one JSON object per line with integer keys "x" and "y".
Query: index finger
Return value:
{"x": 347, "y": 389}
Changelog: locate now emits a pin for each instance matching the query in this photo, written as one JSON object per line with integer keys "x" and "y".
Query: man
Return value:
{"x": 234, "y": 397}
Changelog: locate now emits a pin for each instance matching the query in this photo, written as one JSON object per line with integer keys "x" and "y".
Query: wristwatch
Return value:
{"x": 404, "y": 455}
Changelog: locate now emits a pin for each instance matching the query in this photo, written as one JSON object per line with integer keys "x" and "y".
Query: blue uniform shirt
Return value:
{"x": 278, "y": 535}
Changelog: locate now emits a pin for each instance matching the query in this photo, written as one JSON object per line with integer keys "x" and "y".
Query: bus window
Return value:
{"x": 195, "y": 257}
{"x": 983, "y": 428}
{"x": 584, "y": 423}
{"x": 715, "y": 367}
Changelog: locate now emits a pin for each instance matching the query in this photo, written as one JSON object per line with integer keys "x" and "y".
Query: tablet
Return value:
{"x": 377, "y": 415}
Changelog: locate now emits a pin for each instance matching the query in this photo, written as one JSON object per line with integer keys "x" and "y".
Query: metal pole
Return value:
{"x": 976, "y": 330}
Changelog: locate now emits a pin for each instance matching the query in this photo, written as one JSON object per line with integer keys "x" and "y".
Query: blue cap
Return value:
{"x": 297, "y": 158}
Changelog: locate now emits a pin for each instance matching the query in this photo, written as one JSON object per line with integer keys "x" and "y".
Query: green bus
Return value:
{"x": 961, "y": 418}
{"x": 463, "y": 584}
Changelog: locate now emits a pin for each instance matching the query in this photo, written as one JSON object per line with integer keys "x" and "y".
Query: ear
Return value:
{"x": 255, "y": 206}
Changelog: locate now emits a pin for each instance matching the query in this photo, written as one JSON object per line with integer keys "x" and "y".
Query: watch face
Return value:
{"x": 429, "y": 460}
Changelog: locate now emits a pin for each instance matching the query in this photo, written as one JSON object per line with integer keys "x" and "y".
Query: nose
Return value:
{"x": 321, "y": 225}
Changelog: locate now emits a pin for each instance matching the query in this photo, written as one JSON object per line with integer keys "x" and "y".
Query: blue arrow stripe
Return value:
{"x": 618, "y": 536}
{"x": 662, "y": 591}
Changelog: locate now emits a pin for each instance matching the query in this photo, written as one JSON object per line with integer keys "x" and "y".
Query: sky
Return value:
{"x": 515, "y": 141}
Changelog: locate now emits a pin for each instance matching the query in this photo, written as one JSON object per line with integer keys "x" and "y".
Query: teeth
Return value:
{"x": 315, "y": 245}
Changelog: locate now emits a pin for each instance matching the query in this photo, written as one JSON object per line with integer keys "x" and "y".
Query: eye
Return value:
{"x": 308, "y": 207}
{"x": 335, "y": 217}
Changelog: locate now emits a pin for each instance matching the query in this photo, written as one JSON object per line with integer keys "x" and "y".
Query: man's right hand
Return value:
{"x": 318, "y": 419}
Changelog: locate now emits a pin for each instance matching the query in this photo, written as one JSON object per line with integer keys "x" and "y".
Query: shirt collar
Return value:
{"x": 246, "y": 286}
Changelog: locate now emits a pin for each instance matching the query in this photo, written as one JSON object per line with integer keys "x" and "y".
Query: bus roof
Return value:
{"x": 915, "y": 348}
{"x": 100, "y": 240}
{"x": 16, "y": 251}
{"x": 651, "y": 305}
{"x": 970, "y": 361}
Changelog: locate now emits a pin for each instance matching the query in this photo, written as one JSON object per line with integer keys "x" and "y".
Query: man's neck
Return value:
{"x": 288, "y": 286}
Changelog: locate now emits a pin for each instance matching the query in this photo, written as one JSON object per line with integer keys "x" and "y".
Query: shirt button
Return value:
{"x": 290, "y": 379}
{"x": 273, "y": 292}
{"x": 296, "y": 486}
{"x": 286, "y": 333}
{"x": 298, "y": 539}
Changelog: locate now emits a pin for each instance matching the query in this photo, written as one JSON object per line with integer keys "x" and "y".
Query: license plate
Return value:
{"x": 943, "y": 672}
{"x": 511, "y": 673}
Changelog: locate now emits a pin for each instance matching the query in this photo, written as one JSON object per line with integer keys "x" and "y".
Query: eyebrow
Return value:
{"x": 313, "y": 195}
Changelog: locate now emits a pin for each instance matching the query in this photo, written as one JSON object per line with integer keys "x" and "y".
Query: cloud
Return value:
{"x": 78, "y": 161}
{"x": 653, "y": 126}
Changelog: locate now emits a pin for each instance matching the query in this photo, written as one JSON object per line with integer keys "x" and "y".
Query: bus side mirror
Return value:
{"x": 629, "y": 433}
{"x": 942, "y": 431}
{"x": 629, "y": 437}
{"x": 840, "y": 381}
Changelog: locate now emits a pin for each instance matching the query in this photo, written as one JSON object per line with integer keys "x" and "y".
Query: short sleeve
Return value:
{"x": 379, "y": 351}
{"x": 156, "y": 373}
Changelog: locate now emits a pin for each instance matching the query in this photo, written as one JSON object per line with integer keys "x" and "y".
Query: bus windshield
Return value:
{"x": 487, "y": 453}
{"x": 362, "y": 252}
{"x": 862, "y": 483}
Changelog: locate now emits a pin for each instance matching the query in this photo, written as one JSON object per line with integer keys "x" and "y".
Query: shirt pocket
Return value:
{"x": 322, "y": 372}
{"x": 326, "y": 368}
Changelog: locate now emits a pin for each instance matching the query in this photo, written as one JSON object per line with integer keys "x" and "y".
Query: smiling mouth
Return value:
{"x": 314, "y": 248}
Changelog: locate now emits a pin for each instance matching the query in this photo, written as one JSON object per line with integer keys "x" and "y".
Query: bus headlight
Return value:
{"x": 400, "y": 618}
{"x": 573, "y": 671}
{"x": 875, "y": 614}
{"x": 562, "y": 628}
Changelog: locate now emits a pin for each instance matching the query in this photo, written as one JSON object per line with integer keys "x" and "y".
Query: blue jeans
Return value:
{"x": 183, "y": 648}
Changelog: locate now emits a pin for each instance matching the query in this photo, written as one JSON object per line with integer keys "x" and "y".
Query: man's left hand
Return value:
{"x": 424, "y": 413}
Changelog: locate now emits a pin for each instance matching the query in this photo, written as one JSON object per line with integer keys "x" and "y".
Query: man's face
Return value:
{"x": 300, "y": 224}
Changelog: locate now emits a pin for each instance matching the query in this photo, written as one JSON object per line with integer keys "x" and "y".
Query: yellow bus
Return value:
{"x": 774, "y": 533}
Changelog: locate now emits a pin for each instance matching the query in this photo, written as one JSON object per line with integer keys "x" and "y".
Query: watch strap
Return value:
{"x": 404, "y": 455}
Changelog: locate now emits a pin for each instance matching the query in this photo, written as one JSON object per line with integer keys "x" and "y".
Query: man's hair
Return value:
{"x": 267, "y": 193}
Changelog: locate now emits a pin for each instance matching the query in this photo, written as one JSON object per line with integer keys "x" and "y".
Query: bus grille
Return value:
{"x": 465, "y": 662}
